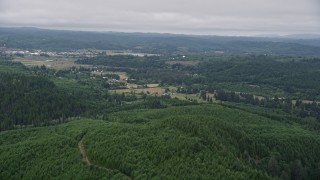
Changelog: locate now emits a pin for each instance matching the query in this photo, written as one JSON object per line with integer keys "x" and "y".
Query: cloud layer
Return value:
{"x": 228, "y": 17}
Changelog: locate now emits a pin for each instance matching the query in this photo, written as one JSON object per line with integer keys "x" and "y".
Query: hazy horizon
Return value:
{"x": 204, "y": 17}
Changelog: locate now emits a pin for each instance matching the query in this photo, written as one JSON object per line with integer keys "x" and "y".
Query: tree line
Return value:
{"x": 298, "y": 108}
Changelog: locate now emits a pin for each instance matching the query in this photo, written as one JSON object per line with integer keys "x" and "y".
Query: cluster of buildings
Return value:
{"x": 74, "y": 53}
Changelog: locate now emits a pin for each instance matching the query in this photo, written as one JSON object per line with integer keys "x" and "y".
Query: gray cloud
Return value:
{"x": 228, "y": 17}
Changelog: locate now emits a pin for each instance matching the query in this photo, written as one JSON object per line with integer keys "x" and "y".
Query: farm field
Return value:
{"x": 156, "y": 91}
{"x": 54, "y": 63}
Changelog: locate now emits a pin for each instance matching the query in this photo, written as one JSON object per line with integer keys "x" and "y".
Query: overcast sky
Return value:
{"x": 221, "y": 17}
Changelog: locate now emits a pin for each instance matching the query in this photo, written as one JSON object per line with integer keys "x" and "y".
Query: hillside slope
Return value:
{"x": 203, "y": 141}
{"x": 34, "y": 38}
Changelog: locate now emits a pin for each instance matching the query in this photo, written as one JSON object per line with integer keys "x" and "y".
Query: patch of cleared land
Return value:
{"x": 54, "y": 62}
{"x": 123, "y": 75}
{"x": 152, "y": 85}
{"x": 190, "y": 96}
{"x": 124, "y": 53}
{"x": 152, "y": 91}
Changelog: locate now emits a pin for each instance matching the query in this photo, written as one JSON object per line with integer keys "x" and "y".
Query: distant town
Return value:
{"x": 71, "y": 53}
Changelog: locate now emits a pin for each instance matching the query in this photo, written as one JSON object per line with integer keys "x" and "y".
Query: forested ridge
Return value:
{"x": 33, "y": 38}
{"x": 27, "y": 99}
{"x": 202, "y": 141}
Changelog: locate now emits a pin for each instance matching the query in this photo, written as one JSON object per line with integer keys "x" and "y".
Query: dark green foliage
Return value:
{"x": 32, "y": 100}
{"x": 295, "y": 78}
{"x": 190, "y": 142}
{"x": 298, "y": 109}
{"x": 45, "y": 153}
{"x": 7, "y": 66}
{"x": 301, "y": 77}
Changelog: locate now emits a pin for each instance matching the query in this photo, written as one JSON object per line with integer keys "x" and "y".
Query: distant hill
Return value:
{"x": 34, "y": 38}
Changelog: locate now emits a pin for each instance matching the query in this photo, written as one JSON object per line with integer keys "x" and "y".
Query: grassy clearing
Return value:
{"x": 123, "y": 75}
{"x": 51, "y": 62}
{"x": 152, "y": 85}
{"x": 152, "y": 91}
{"x": 126, "y": 53}
{"x": 187, "y": 97}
